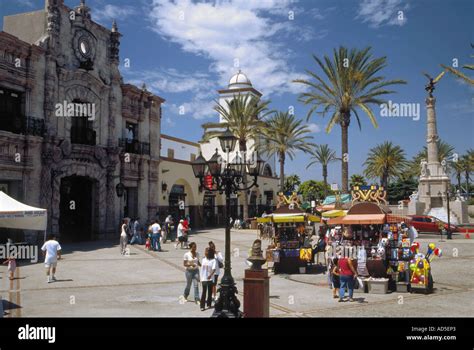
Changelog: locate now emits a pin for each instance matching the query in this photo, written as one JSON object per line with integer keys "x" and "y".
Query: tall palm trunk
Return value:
{"x": 458, "y": 177}
{"x": 345, "y": 152}
{"x": 281, "y": 159}
{"x": 325, "y": 179}
{"x": 245, "y": 196}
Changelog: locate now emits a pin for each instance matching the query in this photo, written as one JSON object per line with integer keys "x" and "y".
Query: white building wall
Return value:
{"x": 182, "y": 151}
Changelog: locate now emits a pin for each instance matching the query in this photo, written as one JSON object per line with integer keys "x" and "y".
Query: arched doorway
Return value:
{"x": 76, "y": 208}
{"x": 177, "y": 202}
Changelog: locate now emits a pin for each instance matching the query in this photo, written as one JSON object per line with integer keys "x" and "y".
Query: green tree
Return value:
{"x": 284, "y": 135}
{"x": 312, "y": 189}
{"x": 401, "y": 189}
{"x": 291, "y": 183}
{"x": 445, "y": 151}
{"x": 357, "y": 180}
{"x": 350, "y": 82}
{"x": 385, "y": 161}
{"x": 323, "y": 155}
{"x": 244, "y": 116}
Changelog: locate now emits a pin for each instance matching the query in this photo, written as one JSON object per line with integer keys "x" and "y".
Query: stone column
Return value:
{"x": 432, "y": 133}
{"x": 256, "y": 293}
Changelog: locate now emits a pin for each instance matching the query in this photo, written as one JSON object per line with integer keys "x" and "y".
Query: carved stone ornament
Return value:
{"x": 66, "y": 148}
{"x": 84, "y": 46}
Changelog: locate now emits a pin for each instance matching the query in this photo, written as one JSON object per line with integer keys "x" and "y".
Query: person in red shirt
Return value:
{"x": 347, "y": 274}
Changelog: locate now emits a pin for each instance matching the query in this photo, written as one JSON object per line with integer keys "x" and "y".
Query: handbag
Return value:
{"x": 356, "y": 283}
{"x": 220, "y": 263}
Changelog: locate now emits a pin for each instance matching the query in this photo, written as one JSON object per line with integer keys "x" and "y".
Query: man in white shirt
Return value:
{"x": 52, "y": 253}
{"x": 155, "y": 236}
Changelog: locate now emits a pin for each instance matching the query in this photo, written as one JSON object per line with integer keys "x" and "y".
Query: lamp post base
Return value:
{"x": 227, "y": 306}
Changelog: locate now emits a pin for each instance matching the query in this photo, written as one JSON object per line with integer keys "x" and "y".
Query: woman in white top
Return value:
{"x": 123, "y": 237}
{"x": 219, "y": 265}
{"x": 208, "y": 269}
{"x": 192, "y": 263}
{"x": 182, "y": 236}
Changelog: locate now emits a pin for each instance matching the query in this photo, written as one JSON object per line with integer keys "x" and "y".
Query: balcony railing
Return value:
{"x": 23, "y": 125}
{"x": 135, "y": 146}
{"x": 83, "y": 136}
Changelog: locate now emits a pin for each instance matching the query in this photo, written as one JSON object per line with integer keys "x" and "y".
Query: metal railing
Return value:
{"x": 134, "y": 146}
{"x": 19, "y": 124}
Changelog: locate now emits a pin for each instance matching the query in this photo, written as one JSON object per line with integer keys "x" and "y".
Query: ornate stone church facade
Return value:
{"x": 90, "y": 167}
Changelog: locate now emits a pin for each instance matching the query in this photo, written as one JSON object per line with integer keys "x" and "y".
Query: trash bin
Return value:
{"x": 253, "y": 224}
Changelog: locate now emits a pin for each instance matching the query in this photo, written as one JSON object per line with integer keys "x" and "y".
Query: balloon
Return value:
{"x": 420, "y": 264}
{"x": 422, "y": 278}
{"x": 432, "y": 246}
{"x": 440, "y": 252}
{"x": 412, "y": 267}
{"x": 429, "y": 252}
{"x": 415, "y": 280}
{"x": 412, "y": 261}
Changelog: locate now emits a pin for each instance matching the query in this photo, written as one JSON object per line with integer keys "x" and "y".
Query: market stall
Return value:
{"x": 289, "y": 230}
{"x": 17, "y": 215}
{"x": 385, "y": 251}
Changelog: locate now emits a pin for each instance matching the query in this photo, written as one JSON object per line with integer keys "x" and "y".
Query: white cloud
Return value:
{"x": 27, "y": 3}
{"x": 314, "y": 128}
{"x": 226, "y": 32}
{"x": 166, "y": 82}
{"x": 111, "y": 12}
{"x": 382, "y": 12}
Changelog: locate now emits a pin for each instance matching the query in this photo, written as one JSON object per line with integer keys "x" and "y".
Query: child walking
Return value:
{"x": 11, "y": 266}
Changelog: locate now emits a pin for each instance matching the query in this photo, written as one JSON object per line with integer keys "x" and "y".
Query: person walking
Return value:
{"x": 347, "y": 274}
{"x": 11, "y": 262}
{"x": 52, "y": 253}
{"x": 335, "y": 278}
{"x": 192, "y": 263}
{"x": 208, "y": 269}
{"x": 182, "y": 236}
{"x": 219, "y": 266}
{"x": 136, "y": 232}
{"x": 155, "y": 236}
{"x": 123, "y": 237}
{"x": 167, "y": 228}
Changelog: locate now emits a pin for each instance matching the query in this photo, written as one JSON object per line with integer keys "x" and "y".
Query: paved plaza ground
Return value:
{"x": 95, "y": 280}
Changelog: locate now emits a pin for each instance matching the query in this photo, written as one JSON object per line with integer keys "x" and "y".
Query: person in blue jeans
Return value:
{"x": 155, "y": 236}
{"x": 347, "y": 274}
{"x": 192, "y": 263}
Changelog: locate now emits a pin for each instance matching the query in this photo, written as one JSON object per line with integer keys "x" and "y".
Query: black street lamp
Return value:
{"x": 228, "y": 178}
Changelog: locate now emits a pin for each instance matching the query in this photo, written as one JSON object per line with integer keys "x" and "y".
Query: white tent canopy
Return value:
{"x": 14, "y": 214}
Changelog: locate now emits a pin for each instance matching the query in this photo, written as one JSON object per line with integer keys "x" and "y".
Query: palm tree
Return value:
{"x": 459, "y": 74}
{"x": 349, "y": 83}
{"x": 323, "y": 155}
{"x": 385, "y": 161}
{"x": 244, "y": 117}
{"x": 357, "y": 180}
{"x": 468, "y": 166}
{"x": 291, "y": 183}
{"x": 284, "y": 135}
{"x": 444, "y": 152}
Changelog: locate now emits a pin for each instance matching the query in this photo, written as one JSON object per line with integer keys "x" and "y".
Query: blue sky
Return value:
{"x": 186, "y": 50}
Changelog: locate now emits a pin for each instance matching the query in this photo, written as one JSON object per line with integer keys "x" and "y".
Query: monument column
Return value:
{"x": 432, "y": 133}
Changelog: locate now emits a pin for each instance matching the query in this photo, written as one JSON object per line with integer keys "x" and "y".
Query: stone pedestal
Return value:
{"x": 256, "y": 293}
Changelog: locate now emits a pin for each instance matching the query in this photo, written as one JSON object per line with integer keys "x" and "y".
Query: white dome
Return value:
{"x": 239, "y": 80}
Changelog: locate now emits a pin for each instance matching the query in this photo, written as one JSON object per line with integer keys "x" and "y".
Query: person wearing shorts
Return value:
{"x": 52, "y": 253}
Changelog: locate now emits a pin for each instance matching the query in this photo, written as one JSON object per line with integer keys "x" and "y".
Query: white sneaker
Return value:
{"x": 54, "y": 278}
{"x": 50, "y": 280}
